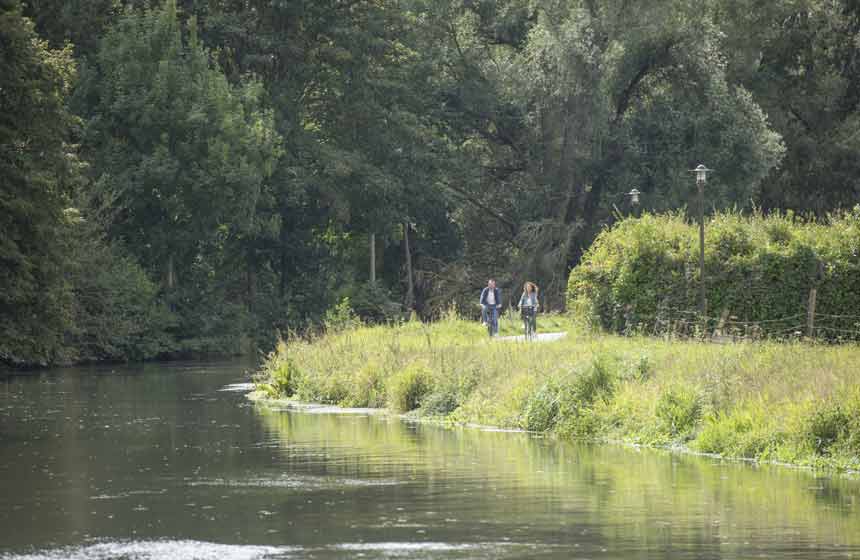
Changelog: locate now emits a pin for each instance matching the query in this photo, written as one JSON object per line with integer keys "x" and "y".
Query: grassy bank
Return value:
{"x": 792, "y": 403}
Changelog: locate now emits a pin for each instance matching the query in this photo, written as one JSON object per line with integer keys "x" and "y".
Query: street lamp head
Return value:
{"x": 701, "y": 173}
{"x": 634, "y": 196}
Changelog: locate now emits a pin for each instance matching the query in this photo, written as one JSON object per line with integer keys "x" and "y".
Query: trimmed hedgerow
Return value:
{"x": 643, "y": 275}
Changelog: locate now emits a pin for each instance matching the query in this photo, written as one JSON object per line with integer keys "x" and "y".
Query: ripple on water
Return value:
{"x": 237, "y": 388}
{"x": 198, "y": 550}
{"x": 128, "y": 494}
{"x": 294, "y": 481}
{"x": 152, "y": 550}
{"x": 494, "y": 550}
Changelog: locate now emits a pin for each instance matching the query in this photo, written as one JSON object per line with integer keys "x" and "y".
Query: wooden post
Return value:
{"x": 810, "y": 312}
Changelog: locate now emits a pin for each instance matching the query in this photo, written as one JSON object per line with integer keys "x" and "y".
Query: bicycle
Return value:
{"x": 529, "y": 313}
{"x": 492, "y": 320}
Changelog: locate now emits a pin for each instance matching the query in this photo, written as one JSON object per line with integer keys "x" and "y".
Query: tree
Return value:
{"x": 363, "y": 148}
{"x": 78, "y": 22}
{"x": 36, "y": 168}
{"x": 183, "y": 153}
{"x": 573, "y": 103}
{"x": 800, "y": 60}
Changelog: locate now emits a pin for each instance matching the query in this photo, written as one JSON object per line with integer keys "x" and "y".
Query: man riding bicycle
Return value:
{"x": 491, "y": 301}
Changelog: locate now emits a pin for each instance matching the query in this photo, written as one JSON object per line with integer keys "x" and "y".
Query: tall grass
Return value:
{"x": 791, "y": 402}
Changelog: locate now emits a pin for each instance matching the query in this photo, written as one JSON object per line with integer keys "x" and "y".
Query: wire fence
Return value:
{"x": 727, "y": 326}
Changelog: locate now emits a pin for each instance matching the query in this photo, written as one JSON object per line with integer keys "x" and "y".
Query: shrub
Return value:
{"x": 597, "y": 381}
{"x": 678, "y": 411}
{"x": 440, "y": 402}
{"x": 278, "y": 376}
{"x": 643, "y": 274}
{"x": 452, "y": 385}
{"x": 823, "y": 426}
{"x": 567, "y": 403}
{"x": 748, "y": 431}
{"x": 341, "y": 317}
{"x": 408, "y": 387}
{"x": 542, "y": 408}
{"x": 368, "y": 388}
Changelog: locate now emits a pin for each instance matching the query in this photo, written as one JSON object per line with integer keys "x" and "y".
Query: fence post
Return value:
{"x": 817, "y": 277}
{"x": 810, "y": 312}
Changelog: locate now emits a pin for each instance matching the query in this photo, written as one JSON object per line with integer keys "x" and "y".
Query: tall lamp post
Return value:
{"x": 701, "y": 178}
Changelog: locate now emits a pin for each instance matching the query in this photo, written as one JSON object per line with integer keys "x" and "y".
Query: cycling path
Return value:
{"x": 540, "y": 337}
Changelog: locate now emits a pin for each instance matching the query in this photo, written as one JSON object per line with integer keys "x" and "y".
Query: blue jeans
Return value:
{"x": 486, "y": 316}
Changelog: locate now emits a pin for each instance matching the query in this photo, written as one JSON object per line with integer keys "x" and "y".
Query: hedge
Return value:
{"x": 643, "y": 275}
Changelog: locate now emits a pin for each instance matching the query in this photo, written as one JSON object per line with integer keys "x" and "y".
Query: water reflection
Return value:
{"x": 172, "y": 462}
{"x": 616, "y": 498}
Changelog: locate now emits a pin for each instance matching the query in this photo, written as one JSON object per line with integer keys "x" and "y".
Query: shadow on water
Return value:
{"x": 171, "y": 462}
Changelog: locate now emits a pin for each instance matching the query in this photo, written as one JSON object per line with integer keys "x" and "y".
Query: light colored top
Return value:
{"x": 528, "y": 300}
{"x": 491, "y": 297}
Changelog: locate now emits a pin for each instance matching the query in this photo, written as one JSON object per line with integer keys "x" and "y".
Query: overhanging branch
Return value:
{"x": 480, "y": 205}
{"x": 654, "y": 60}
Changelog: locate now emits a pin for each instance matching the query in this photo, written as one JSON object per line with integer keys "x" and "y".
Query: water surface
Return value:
{"x": 170, "y": 461}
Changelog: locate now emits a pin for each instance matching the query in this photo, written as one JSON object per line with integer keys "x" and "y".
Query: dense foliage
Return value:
{"x": 35, "y": 169}
{"x": 234, "y": 162}
{"x": 643, "y": 274}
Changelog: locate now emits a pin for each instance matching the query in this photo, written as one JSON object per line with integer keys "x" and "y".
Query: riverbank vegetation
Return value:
{"x": 788, "y": 402}
{"x": 224, "y": 171}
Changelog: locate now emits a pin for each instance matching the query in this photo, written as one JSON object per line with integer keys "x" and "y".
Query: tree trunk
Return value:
{"x": 410, "y": 291}
{"x": 170, "y": 277}
{"x": 282, "y": 289}
{"x": 252, "y": 283}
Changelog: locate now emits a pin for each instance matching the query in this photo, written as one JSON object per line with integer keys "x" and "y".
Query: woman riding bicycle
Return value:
{"x": 528, "y": 308}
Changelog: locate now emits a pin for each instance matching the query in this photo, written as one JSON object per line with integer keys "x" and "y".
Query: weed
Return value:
{"x": 541, "y": 412}
{"x": 678, "y": 411}
{"x": 408, "y": 387}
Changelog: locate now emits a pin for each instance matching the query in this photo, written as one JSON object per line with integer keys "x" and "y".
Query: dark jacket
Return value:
{"x": 486, "y": 291}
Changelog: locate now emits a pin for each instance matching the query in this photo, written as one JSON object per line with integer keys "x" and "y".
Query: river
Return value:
{"x": 171, "y": 461}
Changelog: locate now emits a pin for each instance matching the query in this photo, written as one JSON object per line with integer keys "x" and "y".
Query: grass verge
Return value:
{"x": 785, "y": 402}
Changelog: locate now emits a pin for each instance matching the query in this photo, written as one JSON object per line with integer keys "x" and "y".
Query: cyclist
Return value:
{"x": 491, "y": 301}
{"x": 528, "y": 308}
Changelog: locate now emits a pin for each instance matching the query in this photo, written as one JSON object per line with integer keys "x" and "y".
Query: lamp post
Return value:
{"x": 634, "y": 199}
{"x": 701, "y": 178}
{"x": 634, "y": 202}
